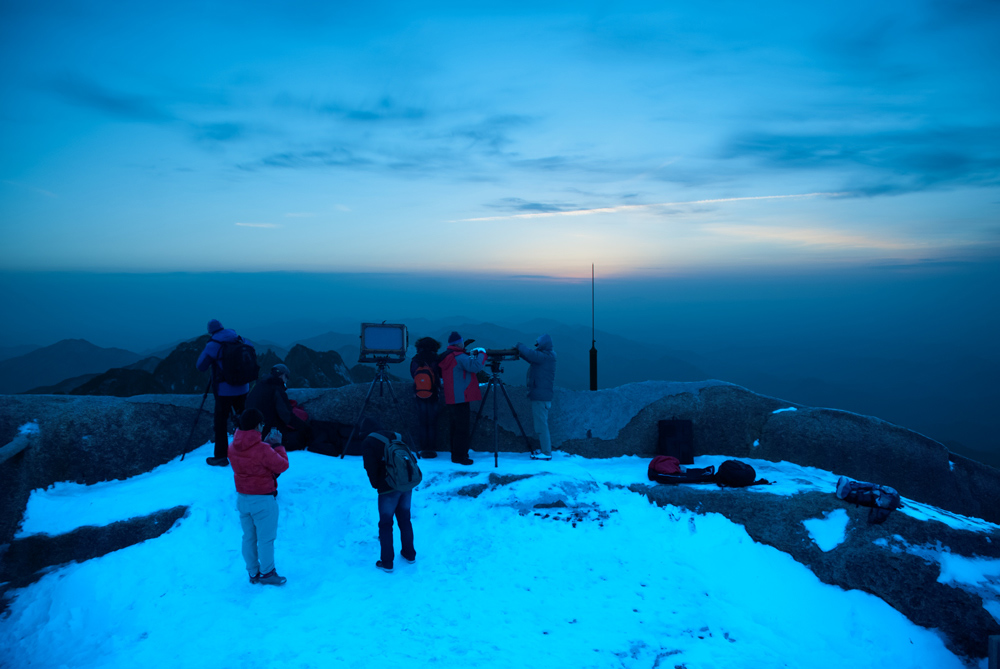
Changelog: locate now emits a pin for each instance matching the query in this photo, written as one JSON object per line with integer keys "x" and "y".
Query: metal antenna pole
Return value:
{"x": 593, "y": 334}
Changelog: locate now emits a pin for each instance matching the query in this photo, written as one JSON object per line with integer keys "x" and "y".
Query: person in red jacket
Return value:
{"x": 461, "y": 386}
{"x": 256, "y": 466}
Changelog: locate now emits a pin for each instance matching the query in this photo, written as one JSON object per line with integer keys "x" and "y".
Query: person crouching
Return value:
{"x": 256, "y": 466}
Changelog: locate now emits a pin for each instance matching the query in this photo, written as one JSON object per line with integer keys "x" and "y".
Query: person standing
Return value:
{"x": 391, "y": 502}
{"x": 256, "y": 466}
{"x": 228, "y": 398}
{"x": 461, "y": 386}
{"x": 271, "y": 399}
{"x": 426, "y": 374}
{"x": 541, "y": 383}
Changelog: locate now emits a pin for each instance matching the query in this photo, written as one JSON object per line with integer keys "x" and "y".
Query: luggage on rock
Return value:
{"x": 882, "y": 499}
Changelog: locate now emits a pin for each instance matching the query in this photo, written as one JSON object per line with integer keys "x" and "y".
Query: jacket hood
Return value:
{"x": 544, "y": 343}
{"x": 244, "y": 440}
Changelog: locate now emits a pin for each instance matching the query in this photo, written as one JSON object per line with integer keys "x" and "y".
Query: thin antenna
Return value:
{"x": 593, "y": 333}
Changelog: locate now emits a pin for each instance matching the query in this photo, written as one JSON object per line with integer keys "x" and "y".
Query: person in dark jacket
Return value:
{"x": 256, "y": 466}
{"x": 228, "y": 399}
{"x": 461, "y": 386}
{"x": 427, "y": 404}
{"x": 390, "y": 502}
{"x": 541, "y": 389}
{"x": 271, "y": 399}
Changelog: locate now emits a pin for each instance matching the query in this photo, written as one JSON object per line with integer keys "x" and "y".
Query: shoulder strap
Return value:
{"x": 378, "y": 436}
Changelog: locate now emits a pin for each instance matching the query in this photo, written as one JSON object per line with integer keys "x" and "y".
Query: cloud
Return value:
{"x": 86, "y": 93}
{"x": 492, "y": 133}
{"x": 518, "y": 205}
{"x": 894, "y": 161}
{"x": 259, "y": 225}
{"x": 386, "y": 109}
{"x": 813, "y": 237}
{"x": 639, "y": 207}
{"x": 303, "y": 214}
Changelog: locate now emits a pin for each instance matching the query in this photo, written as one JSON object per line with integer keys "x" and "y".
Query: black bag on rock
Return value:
{"x": 736, "y": 474}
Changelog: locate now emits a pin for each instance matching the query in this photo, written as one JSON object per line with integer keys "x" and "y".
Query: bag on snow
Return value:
{"x": 402, "y": 472}
{"x": 239, "y": 362}
{"x": 882, "y": 499}
{"x": 423, "y": 382}
{"x": 663, "y": 464}
{"x": 736, "y": 474}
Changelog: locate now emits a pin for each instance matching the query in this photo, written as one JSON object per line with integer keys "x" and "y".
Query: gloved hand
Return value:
{"x": 476, "y": 351}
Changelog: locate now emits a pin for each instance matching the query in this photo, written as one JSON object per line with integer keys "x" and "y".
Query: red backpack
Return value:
{"x": 423, "y": 382}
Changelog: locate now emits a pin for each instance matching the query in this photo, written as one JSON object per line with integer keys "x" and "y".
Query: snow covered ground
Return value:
{"x": 609, "y": 581}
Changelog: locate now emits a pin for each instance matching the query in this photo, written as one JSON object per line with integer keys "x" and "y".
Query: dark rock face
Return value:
{"x": 906, "y": 582}
{"x": 121, "y": 383}
{"x": 311, "y": 369}
{"x": 178, "y": 373}
{"x": 90, "y": 439}
{"x": 266, "y": 361}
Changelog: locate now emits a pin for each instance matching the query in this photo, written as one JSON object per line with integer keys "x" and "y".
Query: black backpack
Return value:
{"x": 402, "y": 472}
{"x": 882, "y": 499}
{"x": 239, "y": 362}
{"x": 736, "y": 474}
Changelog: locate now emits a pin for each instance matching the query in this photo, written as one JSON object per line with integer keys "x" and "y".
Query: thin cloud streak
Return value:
{"x": 638, "y": 207}
{"x": 259, "y": 225}
{"x": 813, "y": 237}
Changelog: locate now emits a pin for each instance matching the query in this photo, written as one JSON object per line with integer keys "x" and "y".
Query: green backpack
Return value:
{"x": 402, "y": 472}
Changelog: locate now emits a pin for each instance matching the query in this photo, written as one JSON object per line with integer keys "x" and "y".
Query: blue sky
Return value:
{"x": 658, "y": 139}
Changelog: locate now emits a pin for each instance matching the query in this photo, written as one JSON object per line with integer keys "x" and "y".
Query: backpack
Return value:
{"x": 423, "y": 382}
{"x": 736, "y": 474}
{"x": 882, "y": 499}
{"x": 402, "y": 472}
{"x": 663, "y": 464}
{"x": 239, "y": 362}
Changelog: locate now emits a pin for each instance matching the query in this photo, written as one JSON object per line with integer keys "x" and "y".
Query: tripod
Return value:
{"x": 381, "y": 378}
{"x": 495, "y": 371}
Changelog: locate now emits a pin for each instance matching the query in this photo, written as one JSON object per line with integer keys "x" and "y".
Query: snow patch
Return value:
{"x": 785, "y": 409}
{"x": 829, "y": 531}
{"x": 756, "y": 443}
{"x": 29, "y": 429}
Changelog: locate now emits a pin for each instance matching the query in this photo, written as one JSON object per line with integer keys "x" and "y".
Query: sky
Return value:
{"x": 516, "y": 139}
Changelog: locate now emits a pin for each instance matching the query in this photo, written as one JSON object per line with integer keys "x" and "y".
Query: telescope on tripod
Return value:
{"x": 495, "y": 358}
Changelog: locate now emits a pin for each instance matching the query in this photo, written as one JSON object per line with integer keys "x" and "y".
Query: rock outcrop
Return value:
{"x": 312, "y": 369}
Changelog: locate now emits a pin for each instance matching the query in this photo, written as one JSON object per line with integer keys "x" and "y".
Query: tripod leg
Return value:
{"x": 514, "y": 414}
{"x": 482, "y": 405}
{"x": 357, "y": 423}
{"x": 496, "y": 432}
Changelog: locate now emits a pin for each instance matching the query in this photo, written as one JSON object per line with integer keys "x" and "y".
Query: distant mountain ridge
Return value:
{"x": 64, "y": 359}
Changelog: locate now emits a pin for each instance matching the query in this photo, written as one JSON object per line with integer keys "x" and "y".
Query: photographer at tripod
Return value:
{"x": 541, "y": 382}
{"x": 461, "y": 386}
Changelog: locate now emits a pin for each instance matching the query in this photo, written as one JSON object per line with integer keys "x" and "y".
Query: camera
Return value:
{"x": 383, "y": 342}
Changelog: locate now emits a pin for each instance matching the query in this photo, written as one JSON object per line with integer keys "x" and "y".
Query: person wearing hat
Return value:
{"x": 228, "y": 398}
{"x": 541, "y": 382}
{"x": 256, "y": 466}
{"x": 271, "y": 399}
{"x": 461, "y": 386}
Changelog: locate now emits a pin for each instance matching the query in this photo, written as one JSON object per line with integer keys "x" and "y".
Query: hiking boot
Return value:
{"x": 271, "y": 578}
{"x": 842, "y": 487}
{"x": 384, "y": 567}
{"x": 218, "y": 462}
{"x": 427, "y": 455}
{"x": 538, "y": 455}
{"x": 409, "y": 560}
{"x": 465, "y": 462}
{"x": 255, "y": 579}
